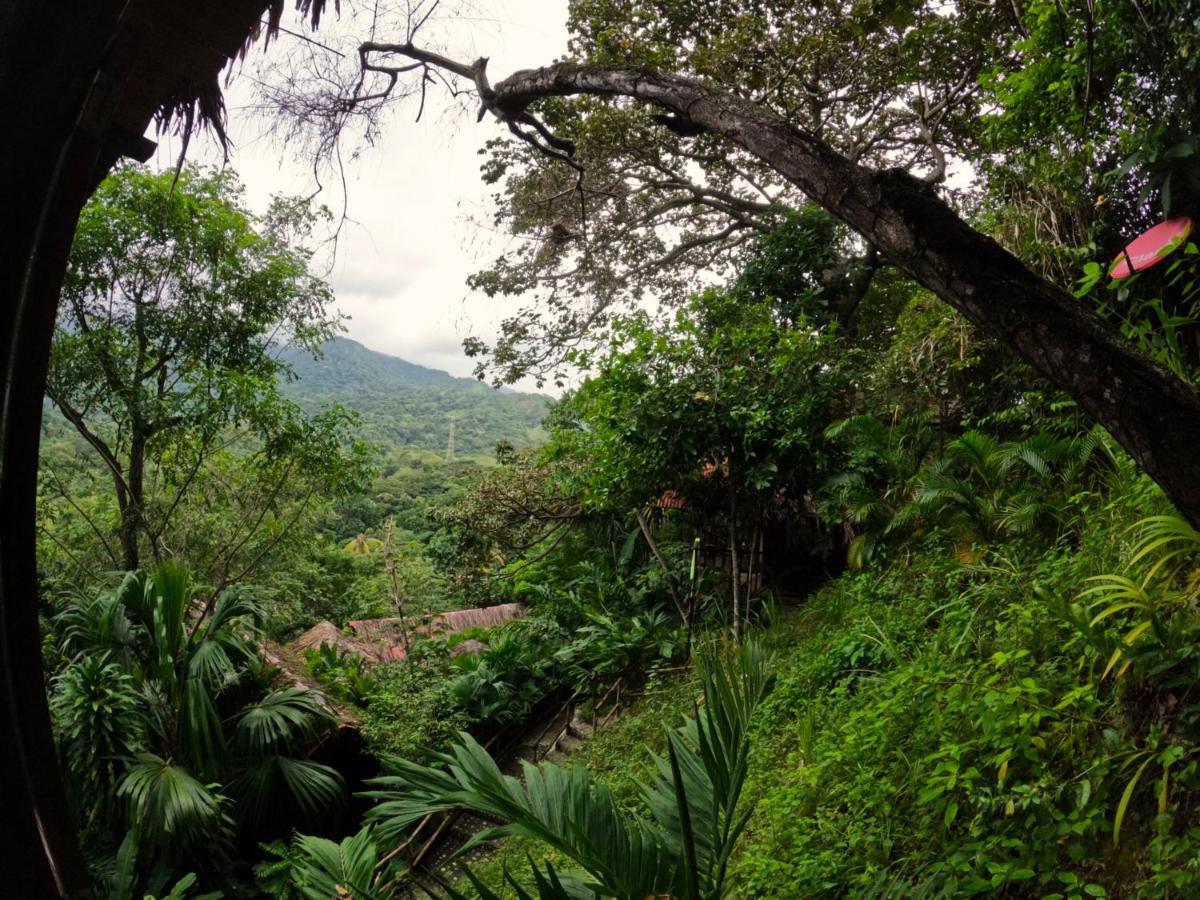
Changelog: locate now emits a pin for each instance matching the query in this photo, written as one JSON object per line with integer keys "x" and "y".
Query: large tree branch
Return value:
{"x": 1153, "y": 415}
{"x": 110, "y": 460}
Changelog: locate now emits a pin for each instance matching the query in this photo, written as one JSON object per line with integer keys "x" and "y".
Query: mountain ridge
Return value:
{"x": 405, "y": 403}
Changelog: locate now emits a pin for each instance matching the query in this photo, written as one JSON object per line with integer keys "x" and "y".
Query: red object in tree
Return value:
{"x": 670, "y": 500}
{"x": 1151, "y": 247}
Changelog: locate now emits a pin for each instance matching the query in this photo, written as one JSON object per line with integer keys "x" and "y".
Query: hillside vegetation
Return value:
{"x": 401, "y": 403}
{"x": 822, "y": 581}
{"x": 941, "y": 727}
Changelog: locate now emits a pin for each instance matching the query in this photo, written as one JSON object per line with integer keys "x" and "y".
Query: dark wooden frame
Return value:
{"x": 80, "y": 82}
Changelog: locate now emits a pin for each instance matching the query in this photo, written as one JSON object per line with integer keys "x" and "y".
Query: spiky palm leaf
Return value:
{"x": 695, "y": 796}
{"x": 1169, "y": 544}
{"x": 100, "y": 722}
{"x": 169, "y": 808}
{"x": 323, "y": 870}
{"x": 560, "y": 807}
{"x": 97, "y": 625}
{"x": 1023, "y": 512}
{"x": 867, "y": 429}
{"x": 683, "y": 851}
{"x": 1172, "y": 538}
{"x": 982, "y": 454}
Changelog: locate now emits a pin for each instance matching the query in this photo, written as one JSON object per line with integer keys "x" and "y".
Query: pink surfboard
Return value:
{"x": 1151, "y": 246}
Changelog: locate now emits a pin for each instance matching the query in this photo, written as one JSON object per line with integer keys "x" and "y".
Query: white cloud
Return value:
{"x": 402, "y": 262}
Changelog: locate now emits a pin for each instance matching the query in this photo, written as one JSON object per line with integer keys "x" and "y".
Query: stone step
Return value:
{"x": 567, "y": 743}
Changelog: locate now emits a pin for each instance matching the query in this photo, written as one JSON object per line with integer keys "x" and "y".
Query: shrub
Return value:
{"x": 409, "y": 711}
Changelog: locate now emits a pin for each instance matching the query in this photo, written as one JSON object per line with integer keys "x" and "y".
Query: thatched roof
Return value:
{"x": 389, "y": 630}
{"x": 377, "y": 641}
{"x": 385, "y": 631}
{"x": 445, "y": 624}
{"x": 328, "y": 633}
{"x": 382, "y": 640}
{"x": 211, "y": 34}
{"x": 293, "y": 671}
{"x": 387, "y": 634}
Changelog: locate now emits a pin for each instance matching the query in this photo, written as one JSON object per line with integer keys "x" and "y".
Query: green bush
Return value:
{"x": 941, "y": 729}
{"x": 342, "y": 673}
{"x": 409, "y": 711}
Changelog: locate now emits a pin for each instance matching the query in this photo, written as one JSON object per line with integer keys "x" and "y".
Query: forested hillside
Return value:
{"x": 401, "y": 403}
{"x": 861, "y": 560}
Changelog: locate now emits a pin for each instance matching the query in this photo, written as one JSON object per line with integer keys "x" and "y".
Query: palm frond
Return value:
{"x": 173, "y": 594}
{"x": 279, "y": 719}
{"x": 201, "y": 734}
{"x": 210, "y": 664}
{"x": 171, "y": 809}
{"x": 1037, "y": 452}
{"x": 97, "y": 625}
{"x": 1172, "y": 537}
{"x": 694, "y": 800}
{"x": 323, "y": 869}
{"x": 866, "y": 427}
{"x": 695, "y": 796}
{"x": 1022, "y": 514}
{"x": 981, "y": 453}
{"x": 558, "y": 806}
{"x": 235, "y": 606}
{"x": 135, "y": 594}
{"x": 277, "y": 786}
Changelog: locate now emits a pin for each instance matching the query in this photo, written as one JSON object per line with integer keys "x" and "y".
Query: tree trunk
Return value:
{"x": 860, "y": 282}
{"x": 750, "y": 568}
{"x": 734, "y": 563}
{"x": 1149, "y": 411}
{"x": 389, "y": 549}
{"x": 132, "y": 511}
{"x": 662, "y": 563}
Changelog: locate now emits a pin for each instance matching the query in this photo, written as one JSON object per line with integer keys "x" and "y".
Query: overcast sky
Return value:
{"x": 402, "y": 263}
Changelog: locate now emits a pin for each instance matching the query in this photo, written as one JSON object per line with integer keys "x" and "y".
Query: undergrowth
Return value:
{"x": 620, "y": 755}
{"x": 941, "y": 728}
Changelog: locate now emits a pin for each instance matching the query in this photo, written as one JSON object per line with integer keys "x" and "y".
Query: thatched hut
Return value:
{"x": 390, "y": 630}
{"x": 387, "y": 635}
{"x": 383, "y": 640}
{"x": 446, "y": 624}
{"x": 328, "y": 633}
{"x": 291, "y": 670}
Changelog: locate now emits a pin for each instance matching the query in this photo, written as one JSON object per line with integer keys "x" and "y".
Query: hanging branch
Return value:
{"x": 905, "y": 220}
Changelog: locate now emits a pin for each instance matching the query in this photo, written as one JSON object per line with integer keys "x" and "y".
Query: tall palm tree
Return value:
{"x": 212, "y": 751}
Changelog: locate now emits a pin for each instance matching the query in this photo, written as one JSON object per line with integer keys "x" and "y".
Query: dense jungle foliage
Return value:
{"x": 809, "y": 587}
